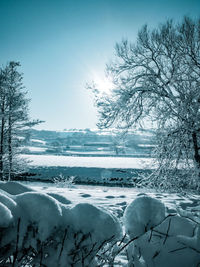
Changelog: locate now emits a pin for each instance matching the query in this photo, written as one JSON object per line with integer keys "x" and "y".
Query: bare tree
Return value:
{"x": 158, "y": 78}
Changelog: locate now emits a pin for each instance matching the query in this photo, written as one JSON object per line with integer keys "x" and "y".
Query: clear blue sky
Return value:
{"x": 63, "y": 44}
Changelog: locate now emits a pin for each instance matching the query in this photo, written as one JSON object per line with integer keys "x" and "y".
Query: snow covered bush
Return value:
{"x": 143, "y": 214}
{"x": 5, "y": 215}
{"x": 173, "y": 180}
{"x": 159, "y": 239}
{"x": 38, "y": 229}
{"x": 63, "y": 181}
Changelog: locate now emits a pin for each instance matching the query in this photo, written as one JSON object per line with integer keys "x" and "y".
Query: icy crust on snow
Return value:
{"x": 166, "y": 240}
{"x": 33, "y": 221}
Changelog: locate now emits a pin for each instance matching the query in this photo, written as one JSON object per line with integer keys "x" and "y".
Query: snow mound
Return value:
{"x": 9, "y": 203}
{"x": 99, "y": 223}
{"x": 166, "y": 247}
{"x": 56, "y": 234}
{"x": 177, "y": 225}
{"x": 88, "y": 229}
{"x": 4, "y": 192}
{"x": 40, "y": 209}
{"x": 5, "y": 216}
{"x": 60, "y": 198}
{"x": 143, "y": 214}
{"x": 15, "y": 188}
{"x": 160, "y": 239}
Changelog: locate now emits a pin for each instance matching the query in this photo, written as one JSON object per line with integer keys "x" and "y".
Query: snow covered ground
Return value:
{"x": 165, "y": 227}
{"x": 94, "y": 162}
{"x": 114, "y": 199}
{"x": 89, "y": 170}
{"x": 34, "y": 149}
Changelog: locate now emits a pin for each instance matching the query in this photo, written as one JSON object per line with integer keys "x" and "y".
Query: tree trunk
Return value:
{"x": 2, "y": 142}
{"x": 196, "y": 150}
{"x": 10, "y": 152}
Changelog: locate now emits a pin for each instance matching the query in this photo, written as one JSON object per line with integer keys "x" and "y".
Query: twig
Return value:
{"x": 156, "y": 254}
{"x": 63, "y": 241}
{"x": 122, "y": 241}
{"x": 130, "y": 241}
{"x": 17, "y": 242}
{"x": 151, "y": 233}
{"x": 182, "y": 243}
{"x": 41, "y": 256}
{"x": 167, "y": 234}
{"x": 174, "y": 250}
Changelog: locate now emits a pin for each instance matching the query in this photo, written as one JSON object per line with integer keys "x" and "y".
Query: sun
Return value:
{"x": 104, "y": 84}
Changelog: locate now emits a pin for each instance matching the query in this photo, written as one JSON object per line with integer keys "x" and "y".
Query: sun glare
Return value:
{"x": 104, "y": 84}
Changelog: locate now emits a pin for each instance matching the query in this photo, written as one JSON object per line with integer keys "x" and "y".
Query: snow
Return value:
{"x": 143, "y": 214}
{"x": 14, "y": 188}
{"x": 60, "y": 198}
{"x": 41, "y": 209}
{"x": 94, "y": 170}
{"x": 5, "y": 216}
{"x": 98, "y": 162}
{"x": 64, "y": 223}
{"x": 33, "y": 149}
{"x": 88, "y": 175}
{"x": 98, "y": 152}
{"x": 98, "y": 222}
{"x": 38, "y": 141}
{"x": 191, "y": 241}
{"x": 146, "y": 145}
{"x": 9, "y": 203}
{"x": 45, "y": 217}
{"x": 172, "y": 252}
{"x": 163, "y": 240}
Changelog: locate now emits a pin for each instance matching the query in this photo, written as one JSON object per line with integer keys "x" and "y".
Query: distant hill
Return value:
{"x": 89, "y": 142}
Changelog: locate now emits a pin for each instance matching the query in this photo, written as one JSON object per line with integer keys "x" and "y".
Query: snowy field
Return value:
{"x": 34, "y": 149}
{"x": 114, "y": 199}
{"x": 89, "y": 170}
{"x": 92, "y": 162}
